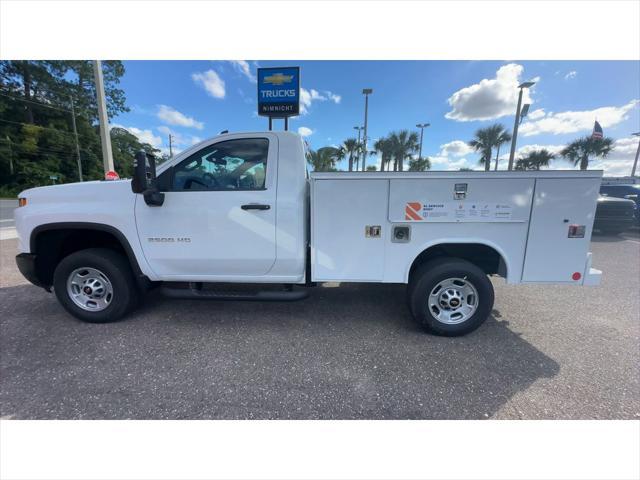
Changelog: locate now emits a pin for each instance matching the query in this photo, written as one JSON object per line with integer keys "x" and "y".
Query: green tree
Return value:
{"x": 502, "y": 137}
{"x": 579, "y": 151}
{"x": 485, "y": 139}
{"x": 371, "y": 168}
{"x": 384, "y": 148}
{"x": 350, "y": 147}
{"x": 323, "y": 160}
{"x": 36, "y": 136}
{"x": 419, "y": 164}
{"x": 403, "y": 145}
{"x": 535, "y": 160}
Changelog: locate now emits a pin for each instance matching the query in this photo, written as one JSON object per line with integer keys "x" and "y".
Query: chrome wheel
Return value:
{"x": 89, "y": 289}
{"x": 453, "y": 300}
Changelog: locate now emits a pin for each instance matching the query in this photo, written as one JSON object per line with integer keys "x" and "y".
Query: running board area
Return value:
{"x": 195, "y": 291}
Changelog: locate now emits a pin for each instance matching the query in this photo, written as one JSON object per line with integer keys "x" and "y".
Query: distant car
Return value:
{"x": 630, "y": 192}
{"x": 614, "y": 215}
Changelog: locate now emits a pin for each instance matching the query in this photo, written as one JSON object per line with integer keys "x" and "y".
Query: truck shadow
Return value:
{"x": 351, "y": 352}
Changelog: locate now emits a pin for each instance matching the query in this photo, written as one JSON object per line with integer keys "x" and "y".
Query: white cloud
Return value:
{"x": 439, "y": 162}
{"x": 620, "y": 160}
{"x": 307, "y": 97}
{"x": 570, "y": 75}
{"x": 305, "y": 131}
{"x": 536, "y": 114}
{"x": 243, "y": 67}
{"x": 491, "y": 98}
{"x": 144, "y": 136}
{"x": 178, "y": 138}
{"x": 211, "y": 82}
{"x": 570, "y": 122}
{"x": 173, "y": 117}
{"x": 456, "y": 148}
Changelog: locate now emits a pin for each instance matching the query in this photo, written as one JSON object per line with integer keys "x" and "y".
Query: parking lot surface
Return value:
{"x": 347, "y": 352}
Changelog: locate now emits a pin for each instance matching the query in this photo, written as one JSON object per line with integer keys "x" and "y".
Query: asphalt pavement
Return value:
{"x": 347, "y": 352}
{"x": 7, "y": 223}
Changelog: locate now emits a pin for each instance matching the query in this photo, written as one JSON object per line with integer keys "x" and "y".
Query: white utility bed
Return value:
{"x": 524, "y": 216}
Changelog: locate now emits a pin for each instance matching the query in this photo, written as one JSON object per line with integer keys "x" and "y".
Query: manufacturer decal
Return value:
{"x": 169, "y": 240}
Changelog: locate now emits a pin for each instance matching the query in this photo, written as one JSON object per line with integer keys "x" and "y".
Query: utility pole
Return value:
{"x": 11, "y": 156}
{"x": 522, "y": 86}
{"x": 75, "y": 133}
{"x": 170, "y": 147}
{"x": 635, "y": 162}
{"x": 421, "y": 126}
{"x": 105, "y": 138}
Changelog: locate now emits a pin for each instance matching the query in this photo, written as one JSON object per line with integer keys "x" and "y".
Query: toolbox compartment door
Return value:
{"x": 558, "y": 203}
{"x": 341, "y": 211}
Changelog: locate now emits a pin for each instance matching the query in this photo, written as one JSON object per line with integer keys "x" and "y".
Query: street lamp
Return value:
{"x": 366, "y": 92}
{"x": 635, "y": 162}
{"x": 522, "y": 86}
{"x": 359, "y": 129}
{"x": 422, "y": 126}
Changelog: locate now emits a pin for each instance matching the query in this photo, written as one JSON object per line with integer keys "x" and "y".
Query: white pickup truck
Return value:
{"x": 241, "y": 208}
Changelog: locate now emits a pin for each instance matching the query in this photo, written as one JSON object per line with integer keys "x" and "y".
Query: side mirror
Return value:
{"x": 144, "y": 179}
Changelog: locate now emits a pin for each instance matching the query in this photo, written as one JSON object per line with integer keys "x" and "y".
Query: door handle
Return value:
{"x": 255, "y": 206}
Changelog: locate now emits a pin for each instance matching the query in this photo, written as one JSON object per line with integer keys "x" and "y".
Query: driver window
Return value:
{"x": 230, "y": 165}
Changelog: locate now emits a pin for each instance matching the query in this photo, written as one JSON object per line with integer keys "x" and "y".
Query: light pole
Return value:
{"x": 359, "y": 129}
{"x": 522, "y": 86}
{"x": 422, "y": 126}
{"x": 366, "y": 92}
{"x": 635, "y": 162}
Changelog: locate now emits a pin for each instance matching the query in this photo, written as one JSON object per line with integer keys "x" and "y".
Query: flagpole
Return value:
{"x": 635, "y": 162}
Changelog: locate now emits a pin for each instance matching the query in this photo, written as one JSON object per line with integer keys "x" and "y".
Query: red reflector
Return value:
{"x": 111, "y": 175}
{"x": 576, "y": 276}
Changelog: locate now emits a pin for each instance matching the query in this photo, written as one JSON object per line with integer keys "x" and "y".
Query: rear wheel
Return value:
{"x": 95, "y": 285}
{"x": 450, "y": 296}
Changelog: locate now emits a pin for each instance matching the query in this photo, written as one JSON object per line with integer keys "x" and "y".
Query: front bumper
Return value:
{"x": 27, "y": 265}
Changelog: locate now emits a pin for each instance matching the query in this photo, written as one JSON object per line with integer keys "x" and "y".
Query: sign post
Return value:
{"x": 279, "y": 93}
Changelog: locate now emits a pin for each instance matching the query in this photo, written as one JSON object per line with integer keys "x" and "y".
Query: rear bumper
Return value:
{"x": 27, "y": 265}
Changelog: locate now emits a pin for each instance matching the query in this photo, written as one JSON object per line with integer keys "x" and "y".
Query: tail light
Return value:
{"x": 22, "y": 202}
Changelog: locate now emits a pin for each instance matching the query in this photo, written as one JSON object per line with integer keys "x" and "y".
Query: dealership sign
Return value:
{"x": 279, "y": 92}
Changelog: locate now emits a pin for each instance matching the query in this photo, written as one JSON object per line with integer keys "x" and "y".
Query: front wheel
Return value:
{"x": 95, "y": 285}
{"x": 450, "y": 296}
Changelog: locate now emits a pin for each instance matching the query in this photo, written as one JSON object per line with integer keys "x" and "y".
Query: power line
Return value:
{"x": 41, "y": 104}
{"x": 25, "y": 148}
{"x": 64, "y": 132}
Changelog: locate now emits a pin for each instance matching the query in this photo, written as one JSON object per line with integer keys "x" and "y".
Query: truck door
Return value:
{"x": 218, "y": 220}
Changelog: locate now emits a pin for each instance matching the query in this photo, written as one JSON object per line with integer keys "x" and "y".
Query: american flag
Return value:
{"x": 597, "y": 131}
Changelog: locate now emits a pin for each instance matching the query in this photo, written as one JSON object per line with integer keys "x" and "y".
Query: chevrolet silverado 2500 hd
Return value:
{"x": 241, "y": 209}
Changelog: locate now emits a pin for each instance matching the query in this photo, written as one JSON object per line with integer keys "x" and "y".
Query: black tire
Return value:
{"x": 115, "y": 267}
{"x": 427, "y": 276}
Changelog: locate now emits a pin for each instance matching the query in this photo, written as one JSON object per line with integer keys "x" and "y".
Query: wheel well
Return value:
{"x": 51, "y": 245}
{"x": 483, "y": 256}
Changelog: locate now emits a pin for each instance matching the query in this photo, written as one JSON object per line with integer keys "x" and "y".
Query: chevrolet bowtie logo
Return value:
{"x": 278, "y": 79}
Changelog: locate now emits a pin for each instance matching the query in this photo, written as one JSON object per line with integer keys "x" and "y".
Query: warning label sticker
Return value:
{"x": 458, "y": 212}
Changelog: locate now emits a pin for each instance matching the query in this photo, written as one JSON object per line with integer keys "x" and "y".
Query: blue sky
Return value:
{"x": 195, "y": 100}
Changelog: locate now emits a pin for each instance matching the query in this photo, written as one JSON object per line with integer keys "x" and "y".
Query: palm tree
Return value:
{"x": 579, "y": 151}
{"x": 419, "y": 164}
{"x": 483, "y": 143}
{"x": 324, "y": 159}
{"x": 487, "y": 138}
{"x": 534, "y": 160}
{"x": 503, "y": 137}
{"x": 351, "y": 147}
{"x": 403, "y": 145}
{"x": 383, "y": 147}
